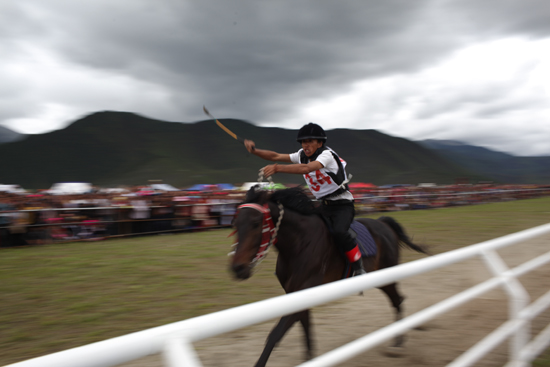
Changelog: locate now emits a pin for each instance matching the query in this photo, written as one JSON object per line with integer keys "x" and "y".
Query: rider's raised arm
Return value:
{"x": 268, "y": 155}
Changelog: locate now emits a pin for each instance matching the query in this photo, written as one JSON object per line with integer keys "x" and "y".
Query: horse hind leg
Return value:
{"x": 277, "y": 333}
{"x": 396, "y": 300}
{"x": 306, "y": 325}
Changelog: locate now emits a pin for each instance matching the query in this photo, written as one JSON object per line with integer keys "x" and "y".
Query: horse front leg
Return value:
{"x": 279, "y": 331}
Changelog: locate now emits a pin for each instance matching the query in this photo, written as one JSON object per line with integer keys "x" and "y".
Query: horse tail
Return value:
{"x": 402, "y": 236}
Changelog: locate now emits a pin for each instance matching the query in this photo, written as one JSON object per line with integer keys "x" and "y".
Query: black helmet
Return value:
{"x": 311, "y": 131}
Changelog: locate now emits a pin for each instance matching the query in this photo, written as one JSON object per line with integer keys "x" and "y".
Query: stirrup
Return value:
{"x": 357, "y": 267}
{"x": 359, "y": 271}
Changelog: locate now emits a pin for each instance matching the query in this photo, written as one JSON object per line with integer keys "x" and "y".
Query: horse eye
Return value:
{"x": 256, "y": 223}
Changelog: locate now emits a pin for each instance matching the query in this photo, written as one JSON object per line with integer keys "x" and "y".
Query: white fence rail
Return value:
{"x": 175, "y": 340}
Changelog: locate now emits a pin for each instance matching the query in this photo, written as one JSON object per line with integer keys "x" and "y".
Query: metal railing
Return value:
{"x": 176, "y": 340}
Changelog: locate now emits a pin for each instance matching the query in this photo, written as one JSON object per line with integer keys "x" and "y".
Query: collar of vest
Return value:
{"x": 304, "y": 158}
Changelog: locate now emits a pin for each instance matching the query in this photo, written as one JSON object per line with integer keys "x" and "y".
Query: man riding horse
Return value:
{"x": 325, "y": 175}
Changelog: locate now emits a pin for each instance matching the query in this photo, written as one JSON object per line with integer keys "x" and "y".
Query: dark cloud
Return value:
{"x": 495, "y": 18}
{"x": 240, "y": 51}
{"x": 264, "y": 61}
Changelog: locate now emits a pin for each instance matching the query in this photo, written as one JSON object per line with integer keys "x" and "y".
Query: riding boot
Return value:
{"x": 357, "y": 267}
{"x": 354, "y": 257}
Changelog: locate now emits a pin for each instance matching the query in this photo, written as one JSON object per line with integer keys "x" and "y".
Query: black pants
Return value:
{"x": 340, "y": 214}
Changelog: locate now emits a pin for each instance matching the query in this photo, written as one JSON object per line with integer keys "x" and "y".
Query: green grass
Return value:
{"x": 543, "y": 360}
{"x": 449, "y": 228}
{"x": 61, "y": 296}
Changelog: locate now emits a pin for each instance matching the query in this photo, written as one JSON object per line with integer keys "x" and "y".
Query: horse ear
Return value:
{"x": 251, "y": 194}
{"x": 256, "y": 194}
{"x": 262, "y": 197}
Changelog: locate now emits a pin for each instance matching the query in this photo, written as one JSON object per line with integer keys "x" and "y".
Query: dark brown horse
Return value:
{"x": 307, "y": 255}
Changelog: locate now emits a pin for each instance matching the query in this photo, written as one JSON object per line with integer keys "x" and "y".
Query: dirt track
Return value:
{"x": 436, "y": 343}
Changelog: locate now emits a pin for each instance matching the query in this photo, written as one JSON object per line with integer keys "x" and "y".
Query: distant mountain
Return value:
{"x": 7, "y": 135}
{"x": 501, "y": 167}
{"x": 121, "y": 148}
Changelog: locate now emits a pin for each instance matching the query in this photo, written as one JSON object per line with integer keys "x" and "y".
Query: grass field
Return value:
{"x": 60, "y": 296}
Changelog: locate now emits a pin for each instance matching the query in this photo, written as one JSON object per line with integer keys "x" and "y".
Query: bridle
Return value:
{"x": 269, "y": 231}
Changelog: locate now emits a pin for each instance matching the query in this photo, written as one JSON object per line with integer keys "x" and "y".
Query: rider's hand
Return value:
{"x": 249, "y": 145}
{"x": 270, "y": 170}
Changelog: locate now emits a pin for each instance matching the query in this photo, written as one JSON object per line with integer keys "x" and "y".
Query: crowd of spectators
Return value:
{"x": 407, "y": 197}
{"x": 39, "y": 218}
{"x": 42, "y": 218}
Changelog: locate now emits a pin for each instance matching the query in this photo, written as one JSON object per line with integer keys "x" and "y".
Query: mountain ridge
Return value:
{"x": 111, "y": 148}
{"x": 500, "y": 166}
{"x": 8, "y": 135}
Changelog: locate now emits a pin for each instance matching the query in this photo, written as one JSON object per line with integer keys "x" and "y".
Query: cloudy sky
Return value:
{"x": 476, "y": 71}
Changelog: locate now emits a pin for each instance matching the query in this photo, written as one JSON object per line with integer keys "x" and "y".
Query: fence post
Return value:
{"x": 179, "y": 352}
{"x": 518, "y": 300}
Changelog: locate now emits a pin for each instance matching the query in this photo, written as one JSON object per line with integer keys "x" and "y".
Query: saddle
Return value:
{"x": 363, "y": 239}
{"x": 360, "y": 234}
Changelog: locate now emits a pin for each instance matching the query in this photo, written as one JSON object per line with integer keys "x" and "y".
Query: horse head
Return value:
{"x": 252, "y": 226}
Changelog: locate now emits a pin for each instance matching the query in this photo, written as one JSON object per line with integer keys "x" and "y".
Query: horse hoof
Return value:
{"x": 394, "y": 352}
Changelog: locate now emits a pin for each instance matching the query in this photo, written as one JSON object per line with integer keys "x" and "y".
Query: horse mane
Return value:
{"x": 256, "y": 195}
{"x": 295, "y": 199}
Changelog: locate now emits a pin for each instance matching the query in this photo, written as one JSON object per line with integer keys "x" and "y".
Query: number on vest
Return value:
{"x": 320, "y": 178}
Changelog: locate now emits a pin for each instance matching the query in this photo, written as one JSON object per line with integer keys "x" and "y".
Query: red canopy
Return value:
{"x": 361, "y": 185}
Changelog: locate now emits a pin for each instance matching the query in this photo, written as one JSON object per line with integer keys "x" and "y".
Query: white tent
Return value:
{"x": 164, "y": 187}
{"x": 12, "y": 189}
{"x": 114, "y": 190}
{"x": 70, "y": 188}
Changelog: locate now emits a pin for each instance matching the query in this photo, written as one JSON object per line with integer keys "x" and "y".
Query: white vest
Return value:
{"x": 319, "y": 182}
